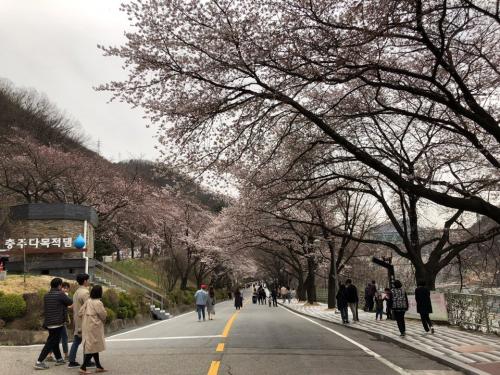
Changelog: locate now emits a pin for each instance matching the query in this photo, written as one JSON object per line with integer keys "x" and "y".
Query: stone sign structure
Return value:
{"x": 39, "y": 238}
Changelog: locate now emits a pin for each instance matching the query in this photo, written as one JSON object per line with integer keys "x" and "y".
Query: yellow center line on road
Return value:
{"x": 229, "y": 323}
{"x": 214, "y": 368}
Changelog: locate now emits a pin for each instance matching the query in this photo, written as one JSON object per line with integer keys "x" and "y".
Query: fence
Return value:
{"x": 127, "y": 283}
{"x": 479, "y": 312}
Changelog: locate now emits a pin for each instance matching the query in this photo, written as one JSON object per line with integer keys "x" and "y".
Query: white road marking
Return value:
{"x": 150, "y": 325}
{"x": 164, "y": 338}
{"x": 109, "y": 337}
{"x": 368, "y": 351}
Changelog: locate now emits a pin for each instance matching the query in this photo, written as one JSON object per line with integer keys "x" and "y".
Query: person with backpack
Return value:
{"x": 342, "y": 303}
{"x": 399, "y": 306}
{"x": 424, "y": 305}
{"x": 55, "y": 307}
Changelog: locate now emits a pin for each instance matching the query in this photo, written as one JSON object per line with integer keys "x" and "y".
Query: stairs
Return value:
{"x": 111, "y": 278}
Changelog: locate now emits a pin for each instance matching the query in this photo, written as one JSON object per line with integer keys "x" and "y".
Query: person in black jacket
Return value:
{"x": 352, "y": 299}
{"x": 342, "y": 303}
{"x": 424, "y": 305}
{"x": 399, "y": 305}
{"x": 56, "y": 304}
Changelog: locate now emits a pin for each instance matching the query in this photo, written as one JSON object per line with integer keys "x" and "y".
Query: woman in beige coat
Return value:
{"x": 93, "y": 315}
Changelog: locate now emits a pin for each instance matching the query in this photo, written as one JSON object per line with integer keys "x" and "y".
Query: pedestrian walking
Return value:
{"x": 399, "y": 305}
{"x": 201, "y": 298}
{"x": 352, "y": 299}
{"x": 388, "y": 303}
{"x": 342, "y": 303}
{"x": 79, "y": 298}
{"x": 64, "y": 333}
{"x": 379, "y": 305}
{"x": 274, "y": 296}
{"x": 284, "y": 292}
{"x": 238, "y": 299}
{"x": 93, "y": 315}
{"x": 424, "y": 305}
{"x": 55, "y": 304}
{"x": 370, "y": 291}
{"x": 211, "y": 303}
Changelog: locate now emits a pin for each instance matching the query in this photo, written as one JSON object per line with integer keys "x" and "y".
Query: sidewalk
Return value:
{"x": 469, "y": 351}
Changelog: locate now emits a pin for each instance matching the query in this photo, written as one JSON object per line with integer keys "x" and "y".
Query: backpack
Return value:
{"x": 399, "y": 299}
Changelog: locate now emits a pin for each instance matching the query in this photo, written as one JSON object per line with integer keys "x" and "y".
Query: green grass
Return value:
{"x": 141, "y": 270}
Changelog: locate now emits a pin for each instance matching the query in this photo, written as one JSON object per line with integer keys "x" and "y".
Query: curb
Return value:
{"x": 450, "y": 362}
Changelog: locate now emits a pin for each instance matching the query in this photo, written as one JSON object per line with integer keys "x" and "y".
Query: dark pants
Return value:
{"x": 275, "y": 301}
{"x": 426, "y": 321}
{"x": 64, "y": 340}
{"x": 77, "y": 340}
{"x": 343, "y": 314}
{"x": 201, "y": 311}
{"x": 389, "y": 311}
{"x": 379, "y": 312}
{"x": 368, "y": 303}
{"x": 52, "y": 344}
{"x": 88, "y": 357}
{"x": 399, "y": 315}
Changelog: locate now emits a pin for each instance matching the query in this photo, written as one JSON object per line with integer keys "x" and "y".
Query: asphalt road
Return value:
{"x": 259, "y": 340}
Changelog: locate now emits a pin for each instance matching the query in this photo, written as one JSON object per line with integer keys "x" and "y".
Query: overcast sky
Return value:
{"x": 51, "y": 45}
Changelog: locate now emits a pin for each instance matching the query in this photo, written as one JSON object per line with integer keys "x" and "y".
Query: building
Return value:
{"x": 39, "y": 238}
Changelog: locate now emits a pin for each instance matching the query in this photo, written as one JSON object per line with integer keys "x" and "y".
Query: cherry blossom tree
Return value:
{"x": 227, "y": 81}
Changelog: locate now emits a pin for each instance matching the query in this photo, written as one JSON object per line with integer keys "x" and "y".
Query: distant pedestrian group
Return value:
{"x": 396, "y": 301}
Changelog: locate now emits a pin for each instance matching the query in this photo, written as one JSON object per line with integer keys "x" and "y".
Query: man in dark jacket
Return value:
{"x": 352, "y": 299}
{"x": 55, "y": 307}
{"x": 424, "y": 305}
{"x": 342, "y": 303}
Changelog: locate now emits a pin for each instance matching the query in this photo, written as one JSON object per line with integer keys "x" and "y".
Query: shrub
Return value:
{"x": 111, "y": 300}
{"x": 126, "y": 302}
{"x": 122, "y": 313}
{"x": 111, "y": 315}
{"x": 34, "y": 310}
{"x": 181, "y": 297}
{"x": 12, "y": 306}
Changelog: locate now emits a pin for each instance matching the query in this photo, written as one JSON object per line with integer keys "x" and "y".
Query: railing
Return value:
{"x": 125, "y": 282}
{"x": 480, "y": 312}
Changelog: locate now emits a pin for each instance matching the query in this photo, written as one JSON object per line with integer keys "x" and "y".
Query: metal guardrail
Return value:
{"x": 126, "y": 282}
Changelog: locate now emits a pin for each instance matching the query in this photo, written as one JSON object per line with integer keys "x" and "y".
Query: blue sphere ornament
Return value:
{"x": 79, "y": 242}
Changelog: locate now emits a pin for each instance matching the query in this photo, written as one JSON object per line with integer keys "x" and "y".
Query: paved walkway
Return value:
{"x": 472, "y": 349}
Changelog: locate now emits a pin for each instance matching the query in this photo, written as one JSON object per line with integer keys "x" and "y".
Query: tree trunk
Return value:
{"x": 332, "y": 283}
{"x": 311, "y": 280}
{"x": 301, "y": 289}
{"x": 426, "y": 274}
{"x": 132, "y": 249}
{"x": 118, "y": 256}
{"x": 184, "y": 281}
